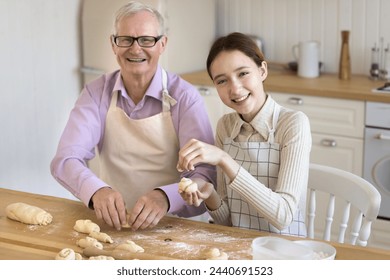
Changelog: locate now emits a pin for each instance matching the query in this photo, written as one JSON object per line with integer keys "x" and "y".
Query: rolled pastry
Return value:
{"x": 28, "y": 214}
{"x": 89, "y": 242}
{"x": 86, "y": 226}
{"x": 187, "y": 185}
{"x": 101, "y": 236}
{"x": 130, "y": 246}
{"x": 102, "y": 258}
{"x": 68, "y": 254}
{"x": 216, "y": 254}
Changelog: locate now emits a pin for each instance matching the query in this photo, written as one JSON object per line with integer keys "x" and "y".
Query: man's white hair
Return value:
{"x": 134, "y": 7}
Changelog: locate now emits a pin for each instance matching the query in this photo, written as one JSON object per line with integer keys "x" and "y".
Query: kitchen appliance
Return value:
{"x": 377, "y": 152}
{"x": 307, "y": 55}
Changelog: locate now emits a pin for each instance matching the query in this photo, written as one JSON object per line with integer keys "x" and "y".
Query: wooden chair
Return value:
{"x": 343, "y": 190}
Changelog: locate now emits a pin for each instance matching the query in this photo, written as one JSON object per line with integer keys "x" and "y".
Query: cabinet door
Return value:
{"x": 380, "y": 234}
{"x": 327, "y": 115}
{"x": 338, "y": 151}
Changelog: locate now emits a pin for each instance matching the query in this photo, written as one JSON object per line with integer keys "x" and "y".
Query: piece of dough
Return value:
{"x": 89, "y": 242}
{"x": 127, "y": 223}
{"x": 68, "y": 254}
{"x": 101, "y": 236}
{"x": 187, "y": 185}
{"x": 86, "y": 226}
{"x": 130, "y": 246}
{"x": 102, "y": 258}
{"x": 216, "y": 254}
{"x": 28, "y": 214}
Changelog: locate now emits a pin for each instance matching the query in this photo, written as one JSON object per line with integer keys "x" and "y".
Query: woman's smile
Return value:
{"x": 241, "y": 99}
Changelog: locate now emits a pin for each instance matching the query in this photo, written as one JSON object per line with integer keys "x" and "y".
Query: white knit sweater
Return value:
{"x": 293, "y": 135}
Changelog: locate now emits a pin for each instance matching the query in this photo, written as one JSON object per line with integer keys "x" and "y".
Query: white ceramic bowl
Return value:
{"x": 275, "y": 248}
{"x": 322, "y": 250}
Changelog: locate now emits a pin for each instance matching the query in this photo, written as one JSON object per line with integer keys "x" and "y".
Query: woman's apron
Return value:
{"x": 139, "y": 155}
{"x": 261, "y": 160}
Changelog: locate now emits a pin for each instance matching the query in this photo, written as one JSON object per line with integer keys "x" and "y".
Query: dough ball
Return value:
{"x": 28, "y": 214}
{"x": 89, "y": 242}
{"x": 216, "y": 254}
{"x": 187, "y": 185}
{"x": 130, "y": 246}
{"x": 101, "y": 236}
{"x": 86, "y": 226}
{"x": 68, "y": 254}
{"x": 102, "y": 258}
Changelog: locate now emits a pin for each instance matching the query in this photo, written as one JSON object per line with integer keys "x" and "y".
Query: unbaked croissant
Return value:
{"x": 28, "y": 214}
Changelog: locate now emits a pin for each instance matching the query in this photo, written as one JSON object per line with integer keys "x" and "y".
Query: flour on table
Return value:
{"x": 28, "y": 214}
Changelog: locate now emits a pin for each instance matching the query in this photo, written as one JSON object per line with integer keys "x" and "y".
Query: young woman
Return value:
{"x": 262, "y": 150}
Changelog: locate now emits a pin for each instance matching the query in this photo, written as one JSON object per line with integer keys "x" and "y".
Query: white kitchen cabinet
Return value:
{"x": 337, "y": 127}
{"x": 347, "y": 154}
{"x": 214, "y": 106}
{"x": 380, "y": 234}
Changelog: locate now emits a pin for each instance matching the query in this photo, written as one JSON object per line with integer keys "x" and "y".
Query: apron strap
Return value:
{"x": 114, "y": 99}
{"x": 168, "y": 100}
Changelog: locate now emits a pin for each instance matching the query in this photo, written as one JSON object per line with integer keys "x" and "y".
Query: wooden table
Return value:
{"x": 172, "y": 238}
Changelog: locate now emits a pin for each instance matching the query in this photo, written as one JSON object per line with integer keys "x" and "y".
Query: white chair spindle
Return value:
{"x": 344, "y": 222}
{"x": 356, "y": 226}
{"x": 365, "y": 232}
{"x": 312, "y": 213}
{"x": 329, "y": 217}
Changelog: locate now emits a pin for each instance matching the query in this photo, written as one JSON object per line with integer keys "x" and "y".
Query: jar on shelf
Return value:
{"x": 374, "y": 70}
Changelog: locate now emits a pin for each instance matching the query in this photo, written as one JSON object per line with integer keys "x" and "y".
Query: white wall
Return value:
{"x": 39, "y": 80}
{"x": 283, "y": 23}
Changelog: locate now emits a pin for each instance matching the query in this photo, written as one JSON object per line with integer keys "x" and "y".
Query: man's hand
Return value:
{"x": 110, "y": 207}
{"x": 149, "y": 210}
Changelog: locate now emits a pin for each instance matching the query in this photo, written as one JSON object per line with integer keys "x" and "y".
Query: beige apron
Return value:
{"x": 261, "y": 160}
{"x": 139, "y": 155}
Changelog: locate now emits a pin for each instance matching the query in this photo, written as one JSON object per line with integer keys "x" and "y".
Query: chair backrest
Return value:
{"x": 345, "y": 189}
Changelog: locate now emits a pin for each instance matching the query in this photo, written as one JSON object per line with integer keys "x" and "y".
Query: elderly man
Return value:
{"x": 138, "y": 117}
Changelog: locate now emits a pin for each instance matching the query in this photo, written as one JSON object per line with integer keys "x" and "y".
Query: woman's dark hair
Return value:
{"x": 235, "y": 41}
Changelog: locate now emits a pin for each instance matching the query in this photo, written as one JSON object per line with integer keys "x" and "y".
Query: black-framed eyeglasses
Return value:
{"x": 128, "y": 41}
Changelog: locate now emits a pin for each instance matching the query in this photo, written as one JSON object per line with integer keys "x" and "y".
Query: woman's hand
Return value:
{"x": 195, "y": 152}
{"x": 205, "y": 192}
